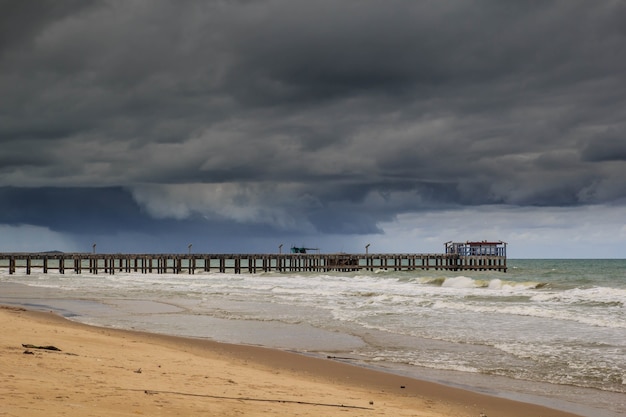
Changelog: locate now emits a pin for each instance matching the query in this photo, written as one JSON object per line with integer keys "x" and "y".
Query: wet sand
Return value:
{"x": 110, "y": 372}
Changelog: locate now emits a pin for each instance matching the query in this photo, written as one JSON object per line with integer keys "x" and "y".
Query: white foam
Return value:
{"x": 459, "y": 282}
{"x": 603, "y": 295}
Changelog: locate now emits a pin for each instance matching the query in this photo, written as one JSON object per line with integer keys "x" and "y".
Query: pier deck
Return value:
{"x": 243, "y": 263}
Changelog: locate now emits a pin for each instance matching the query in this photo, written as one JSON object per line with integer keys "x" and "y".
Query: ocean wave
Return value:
{"x": 553, "y": 312}
{"x": 494, "y": 284}
{"x": 601, "y": 296}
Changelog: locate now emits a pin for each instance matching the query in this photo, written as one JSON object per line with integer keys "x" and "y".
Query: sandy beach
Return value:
{"x": 109, "y": 372}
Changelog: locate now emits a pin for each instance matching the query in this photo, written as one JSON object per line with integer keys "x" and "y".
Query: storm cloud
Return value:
{"x": 292, "y": 118}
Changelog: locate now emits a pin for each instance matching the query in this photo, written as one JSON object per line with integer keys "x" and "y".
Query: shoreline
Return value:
{"x": 305, "y": 383}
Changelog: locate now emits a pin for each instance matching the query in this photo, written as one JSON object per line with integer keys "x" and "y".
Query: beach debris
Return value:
{"x": 403, "y": 386}
{"x": 483, "y": 415}
{"x": 138, "y": 371}
{"x": 28, "y": 352}
{"x": 343, "y": 358}
{"x": 29, "y": 346}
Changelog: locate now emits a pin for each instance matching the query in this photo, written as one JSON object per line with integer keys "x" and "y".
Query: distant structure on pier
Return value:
{"x": 295, "y": 249}
{"x": 482, "y": 248}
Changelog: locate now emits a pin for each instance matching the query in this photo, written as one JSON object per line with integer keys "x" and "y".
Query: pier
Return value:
{"x": 80, "y": 263}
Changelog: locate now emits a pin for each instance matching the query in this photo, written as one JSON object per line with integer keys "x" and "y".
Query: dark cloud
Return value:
{"x": 22, "y": 21}
{"x": 84, "y": 211}
{"x": 75, "y": 210}
{"x": 320, "y": 116}
{"x": 608, "y": 147}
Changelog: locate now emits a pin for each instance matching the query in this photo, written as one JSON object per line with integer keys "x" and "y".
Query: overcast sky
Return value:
{"x": 237, "y": 126}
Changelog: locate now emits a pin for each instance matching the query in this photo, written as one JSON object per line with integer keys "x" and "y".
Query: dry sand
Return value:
{"x": 107, "y": 372}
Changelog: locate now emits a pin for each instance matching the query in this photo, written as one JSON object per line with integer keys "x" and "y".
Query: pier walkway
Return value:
{"x": 244, "y": 263}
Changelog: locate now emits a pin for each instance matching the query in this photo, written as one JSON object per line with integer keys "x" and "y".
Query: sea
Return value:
{"x": 548, "y": 331}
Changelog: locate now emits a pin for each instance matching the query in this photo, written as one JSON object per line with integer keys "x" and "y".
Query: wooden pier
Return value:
{"x": 80, "y": 263}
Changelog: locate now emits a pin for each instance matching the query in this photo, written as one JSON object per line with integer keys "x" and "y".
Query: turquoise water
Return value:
{"x": 572, "y": 273}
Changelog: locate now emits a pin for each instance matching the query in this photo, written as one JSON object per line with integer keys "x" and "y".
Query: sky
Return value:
{"x": 146, "y": 126}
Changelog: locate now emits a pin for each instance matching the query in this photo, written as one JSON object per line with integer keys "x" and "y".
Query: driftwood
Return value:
{"x": 29, "y": 346}
{"x": 341, "y": 358}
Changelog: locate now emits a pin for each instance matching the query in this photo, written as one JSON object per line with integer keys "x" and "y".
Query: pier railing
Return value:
{"x": 242, "y": 263}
